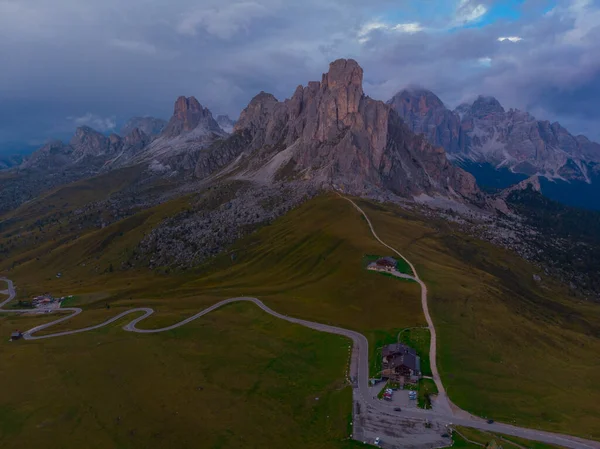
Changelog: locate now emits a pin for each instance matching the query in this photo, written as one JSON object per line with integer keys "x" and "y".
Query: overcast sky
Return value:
{"x": 65, "y": 63}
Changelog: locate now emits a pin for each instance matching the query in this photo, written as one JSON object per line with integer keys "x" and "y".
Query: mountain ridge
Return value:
{"x": 483, "y": 131}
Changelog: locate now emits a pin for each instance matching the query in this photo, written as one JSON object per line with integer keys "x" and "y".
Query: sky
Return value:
{"x": 67, "y": 63}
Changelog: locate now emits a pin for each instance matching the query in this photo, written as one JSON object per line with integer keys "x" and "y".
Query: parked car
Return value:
{"x": 377, "y": 441}
{"x": 490, "y": 421}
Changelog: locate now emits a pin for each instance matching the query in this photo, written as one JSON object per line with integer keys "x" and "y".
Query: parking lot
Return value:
{"x": 394, "y": 430}
{"x": 399, "y": 397}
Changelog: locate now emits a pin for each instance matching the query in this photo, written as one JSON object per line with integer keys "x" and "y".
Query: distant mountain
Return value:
{"x": 499, "y": 147}
{"x": 225, "y": 123}
{"x": 191, "y": 129}
{"x": 150, "y": 126}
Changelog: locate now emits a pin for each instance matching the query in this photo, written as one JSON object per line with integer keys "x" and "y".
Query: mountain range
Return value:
{"x": 501, "y": 148}
{"x": 327, "y": 136}
{"x": 330, "y": 134}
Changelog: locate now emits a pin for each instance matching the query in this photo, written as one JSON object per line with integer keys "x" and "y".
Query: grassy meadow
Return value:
{"x": 482, "y": 438}
{"x": 235, "y": 378}
{"x": 509, "y": 348}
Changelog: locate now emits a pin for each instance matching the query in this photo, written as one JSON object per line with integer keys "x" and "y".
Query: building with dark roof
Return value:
{"x": 401, "y": 363}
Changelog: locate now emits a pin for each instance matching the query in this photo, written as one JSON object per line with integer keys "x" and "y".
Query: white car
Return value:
{"x": 377, "y": 441}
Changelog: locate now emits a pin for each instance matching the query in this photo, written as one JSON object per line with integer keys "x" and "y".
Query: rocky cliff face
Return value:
{"x": 53, "y": 155}
{"x": 330, "y": 133}
{"x": 150, "y": 126}
{"x": 189, "y": 115}
{"x": 88, "y": 142}
{"x": 424, "y": 113}
{"x": 483, "y": 131}
{"x": 190, "y": 130}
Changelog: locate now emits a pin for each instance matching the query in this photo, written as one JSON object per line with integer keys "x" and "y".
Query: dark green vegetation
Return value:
{"x": 510, "y": 348}
{"x": 235, "y": 378}
{"x": 426, "y": 389}
{"x": 579, "y": 253}
{"x": 403, "y": 267}
{"x": 480, "y": 437}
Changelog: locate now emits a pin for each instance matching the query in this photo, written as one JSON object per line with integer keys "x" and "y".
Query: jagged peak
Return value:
{"x": 412, "y": 96}
{"x": 342, "y": 74}
{"x": 184, "y": 104}
{"x": 264, "y": 97}
{"x": 487, "y": 105}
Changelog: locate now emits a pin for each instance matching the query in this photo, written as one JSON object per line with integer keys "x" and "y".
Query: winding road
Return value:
{"x": 444, "y": 411}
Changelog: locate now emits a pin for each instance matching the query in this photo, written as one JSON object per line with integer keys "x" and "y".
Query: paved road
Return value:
{"x": 444, "y": 414}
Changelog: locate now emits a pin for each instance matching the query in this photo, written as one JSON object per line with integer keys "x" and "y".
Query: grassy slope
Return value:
{"x": 235, "y": 378}
{"x": 479, "y": 436}
{"x": 509, "y": 348}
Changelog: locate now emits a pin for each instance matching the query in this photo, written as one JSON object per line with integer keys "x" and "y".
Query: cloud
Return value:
{"x": 94, "y": 121}
{"x": 112, "y": 60}
{"x": 510, "y": 38}
{"x": 223, "y": 21}
{"x": 369, "y": 27}
{"x": 469, "y": 11}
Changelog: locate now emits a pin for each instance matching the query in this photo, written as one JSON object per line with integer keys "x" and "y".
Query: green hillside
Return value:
{"x": 510, "y": 348}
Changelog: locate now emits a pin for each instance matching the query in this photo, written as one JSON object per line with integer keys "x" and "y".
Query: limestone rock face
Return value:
{"x": 424, "y": 113}
{"x": 333, "y": 134}
{"x": 189, "y": 115}
{"x": 53, "y": 155}
{"x": 483, "y": 131}
{"x": 88, "y": 142}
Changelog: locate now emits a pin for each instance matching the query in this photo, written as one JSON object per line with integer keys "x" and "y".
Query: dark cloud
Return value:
{"x": 69, "y": 61}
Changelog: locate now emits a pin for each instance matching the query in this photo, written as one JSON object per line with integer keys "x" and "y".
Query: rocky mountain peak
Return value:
{"x": 89, "y": 142}
{"x": 135, "y": 137}
{"x": 183, "y": 105}
{"x": 257, "y": 113}
{"x": 331, "y": 133}
{"x": 344, "y": 74}
{"x": 416, "y": 100}
{"x": 425, "y": 113}
{"x": 188, "y": 115}
{"x": 484, "y": 106}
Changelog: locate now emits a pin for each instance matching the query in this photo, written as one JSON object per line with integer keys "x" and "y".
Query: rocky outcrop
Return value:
{"x": 330, "y": 133}
{"x": 533, "y": 182}
{"x": 51, "y": 156}
{"x": 190, "y": 115}
{"x": 483, "y": 131}
{"x": 150, "y": 126}
{"x": 136, "y": 139}
{"x": 190, "y": 130}
{"x": 88, "y": 142}
{"x": 424, "y": 113}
